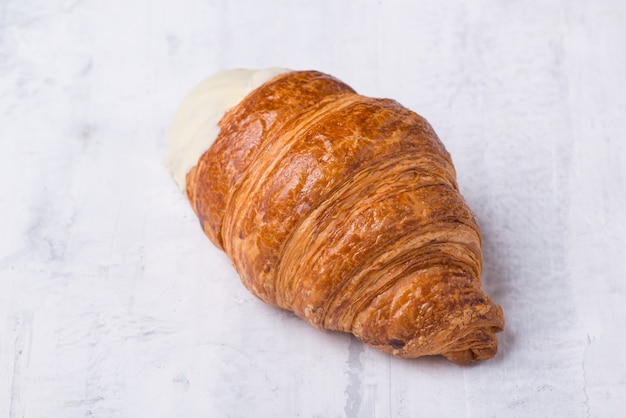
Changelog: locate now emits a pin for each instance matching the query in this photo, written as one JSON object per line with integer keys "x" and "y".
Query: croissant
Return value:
{"x": 341, "y": 208}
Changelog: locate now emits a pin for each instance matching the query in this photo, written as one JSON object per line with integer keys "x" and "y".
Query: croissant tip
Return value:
{"x": 482, "y": 345}
{"x": 471, "y": 355}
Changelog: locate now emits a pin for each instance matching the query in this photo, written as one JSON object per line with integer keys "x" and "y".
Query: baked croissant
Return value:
{"x": 341, "y": 208}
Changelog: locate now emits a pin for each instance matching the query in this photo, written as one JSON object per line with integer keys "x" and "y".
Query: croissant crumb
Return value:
{"x": 345, "y": 210}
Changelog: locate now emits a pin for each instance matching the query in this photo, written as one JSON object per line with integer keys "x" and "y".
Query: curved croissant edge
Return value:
{"x": 434, "y": 305}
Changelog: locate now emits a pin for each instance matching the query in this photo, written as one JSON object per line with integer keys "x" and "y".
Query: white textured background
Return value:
{"x": 113, "y": 303}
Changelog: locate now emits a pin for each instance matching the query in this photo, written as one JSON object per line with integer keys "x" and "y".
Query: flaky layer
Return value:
{"x": 345, "y": 210}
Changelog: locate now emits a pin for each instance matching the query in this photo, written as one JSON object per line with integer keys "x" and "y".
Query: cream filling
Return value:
{"x": 195, "y": 128}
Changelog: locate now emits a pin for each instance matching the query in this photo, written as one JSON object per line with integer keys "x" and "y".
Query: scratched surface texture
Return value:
{"x": 114, "y": 304}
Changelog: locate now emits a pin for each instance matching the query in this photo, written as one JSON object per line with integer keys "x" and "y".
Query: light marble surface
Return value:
{"x": 113, "y": 303}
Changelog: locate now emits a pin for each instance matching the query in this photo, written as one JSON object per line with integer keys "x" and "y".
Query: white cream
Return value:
{"x": 194, "y": 127}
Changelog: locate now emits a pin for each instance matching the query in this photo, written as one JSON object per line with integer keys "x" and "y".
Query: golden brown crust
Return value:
{"x": 345, "y": 210}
